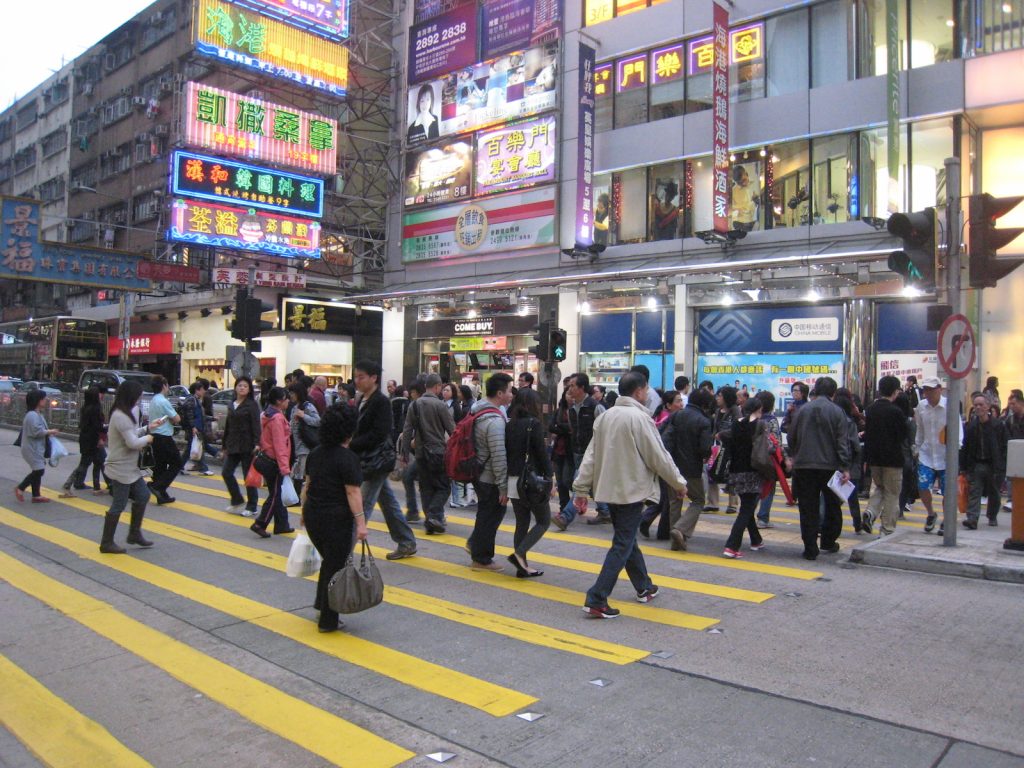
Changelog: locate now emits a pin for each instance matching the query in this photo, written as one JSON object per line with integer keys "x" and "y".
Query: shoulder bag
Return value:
{"x": 356, "y": 587}
{"x": 532, "y": 486}
{"x": 380, "y": 459}
{"x": 309, "y": 434}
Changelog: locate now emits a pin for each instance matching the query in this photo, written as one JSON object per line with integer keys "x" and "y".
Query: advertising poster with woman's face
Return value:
{"x": 423, "y": 113}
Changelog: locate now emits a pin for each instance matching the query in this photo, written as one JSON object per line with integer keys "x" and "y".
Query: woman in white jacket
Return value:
{"x": 126, "y": 440}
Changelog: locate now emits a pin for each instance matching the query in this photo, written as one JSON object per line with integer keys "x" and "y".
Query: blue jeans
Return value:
{"x": 569, "y": 510}
{"x": 624, "y": 552}
{"x": 765, "y": 510}
{"x": 377, "y": 488}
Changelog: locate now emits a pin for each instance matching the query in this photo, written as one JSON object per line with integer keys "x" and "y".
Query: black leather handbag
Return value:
{"x": 532, "y": 486}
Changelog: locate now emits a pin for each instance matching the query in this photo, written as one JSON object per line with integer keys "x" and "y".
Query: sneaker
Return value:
{"x": 929, "y": 523}
{"x": 491, "y": 566}
{"x": 942, "y": 529}
{"x": 730, "y": 510}
{"x": 234, "y": 509}
{"x": 867, "y": 521}
{"x": 432, "y": 526}
{"x": 403, "y": 551}
{"x": 40, "y": 500}
{"x": 765, "y": 524}
{"x": 208, "y": 472}
{"x": 734, "y": 554}
{"x": 412, "y": 517}
{"x": 248, "y": 513}
{"x": 758, "y": 547}
{"x": 678, "y": 540}
{"x": 559, "y": 522}
{"x": 648, "y": 594}
{"x": 601, "y": 611}
{"x": 599, "y": 520}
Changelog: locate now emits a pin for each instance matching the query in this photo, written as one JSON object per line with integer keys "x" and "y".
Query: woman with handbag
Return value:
{"x": 305, "y": 426}
{"x": 529, "y": 477}
{"x": 92, "y": 432}
{"x": 332, "y": 504}
{"x": 241, "y": 436}
{"x": 127, "y": 441}
{"x": 273, "y": 462}
{"x": 35, "y": 438}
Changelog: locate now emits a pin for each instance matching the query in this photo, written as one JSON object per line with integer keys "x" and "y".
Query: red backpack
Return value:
{"x": 461, "y": 462}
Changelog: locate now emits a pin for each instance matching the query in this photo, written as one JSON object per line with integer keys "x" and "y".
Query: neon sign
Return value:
{"x": 245, "y": 229}
{"x": 329, "y": 18}
{"x": 745, "y": 44}
{"x": 220, "y": 180}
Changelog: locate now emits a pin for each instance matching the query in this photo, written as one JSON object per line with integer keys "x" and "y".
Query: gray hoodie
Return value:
{"x": 489, "y": 436}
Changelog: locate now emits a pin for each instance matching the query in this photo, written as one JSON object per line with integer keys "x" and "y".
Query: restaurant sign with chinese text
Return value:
{"x": 253, "y": 129}
{"x": 330, "y": 318}
{"x": 264, "y": 278}
{"x": 228, "y": 181}
{"x": 720, "y": 118}
{"x": 516, "y": 156}
{"x": 230, "y": 227}
{"x": 25, "y": 256}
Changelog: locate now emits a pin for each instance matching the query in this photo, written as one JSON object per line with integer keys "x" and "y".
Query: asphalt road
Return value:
{"x": 200, "y": 651}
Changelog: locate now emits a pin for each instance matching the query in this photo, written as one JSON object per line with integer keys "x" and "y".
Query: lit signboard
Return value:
{"x": 667, "y": 64}
{"x": 513, "y": 25}
{"x": 603, "y": 80}
{"x": 631, "y": 73}
{"x": 244, "y": 38}
{"x": 245, "y": 229}
{"x": 329, "y": 18}
{"x": 622, "y": 7}
{"x": 596, "y": 11}
{"x": 745, "y": 44}
{"x": 516, "y": 156}
{"x": 236, "y": 125}
{"x": 442, "y": 174}
{"x": 443, "y": 44}
{"x": 220, "y": 180}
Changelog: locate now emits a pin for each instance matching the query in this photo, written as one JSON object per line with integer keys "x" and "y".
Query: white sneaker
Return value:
{"x": 235, "y": 509}
{"x": 248, "y": 513}
{"x": 208, "y": 473}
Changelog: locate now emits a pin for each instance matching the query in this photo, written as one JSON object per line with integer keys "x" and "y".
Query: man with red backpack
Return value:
{"x": 428, "y": 422}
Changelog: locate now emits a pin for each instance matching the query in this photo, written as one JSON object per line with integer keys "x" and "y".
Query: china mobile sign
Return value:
{"x": 253, "y": 129}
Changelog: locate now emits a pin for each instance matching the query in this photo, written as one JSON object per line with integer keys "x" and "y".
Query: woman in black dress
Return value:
{"x": 332, "y": 502}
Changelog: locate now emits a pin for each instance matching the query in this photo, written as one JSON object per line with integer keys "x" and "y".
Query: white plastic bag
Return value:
{"x": 288, "y": 495}
{"x": 196, "y": 451}
{"x": 303, "y": 559}
{"x": 57, "y": 451}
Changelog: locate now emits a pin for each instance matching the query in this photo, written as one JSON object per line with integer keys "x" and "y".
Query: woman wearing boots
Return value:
{"x": 92, "y": 431}
{"x": 34, "y": 436}
{"x": 126, "y": 439}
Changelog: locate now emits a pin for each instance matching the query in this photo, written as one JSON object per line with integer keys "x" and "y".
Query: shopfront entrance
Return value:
{"x": 468, "y": 350}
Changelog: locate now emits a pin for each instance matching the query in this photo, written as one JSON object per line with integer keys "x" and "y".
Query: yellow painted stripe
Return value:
{"x": 516, "y": 629}
{"x": 328, "y": 736}
{"x": 55, "y": 732}
{"x": 590, "y": 541}
{"x": 407, "y": 669}
{"x": 523, "y": 586}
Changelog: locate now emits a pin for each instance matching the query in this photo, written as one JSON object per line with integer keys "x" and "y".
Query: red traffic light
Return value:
{"x": 984, "y": 240}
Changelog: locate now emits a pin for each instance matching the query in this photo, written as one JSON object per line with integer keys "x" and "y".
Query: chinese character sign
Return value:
{"x": 720, "y": 118}
{"x": 441, "y": 174}
{"x": 443, "y": 44}
{"x": 329, "y": 18}
{"x": 516, "y": 156}
{"x": 236, "y": 125}
{"x": 245, "y": 38}
{"x": 585, "y": 148}
{"x": 666, "y": 64}
{"x": 214, "y": 178}
{"x": 226, "y": 226}
{"x": 745, "y": 44}
{"x": 632, "y": 73}
{"x": 512, "y": 25}
{"x": 24, "y": 256}
{"x": 264, "y": 278}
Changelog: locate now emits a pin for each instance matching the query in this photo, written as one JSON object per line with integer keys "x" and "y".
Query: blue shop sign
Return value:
{"x": 771, "y": 329}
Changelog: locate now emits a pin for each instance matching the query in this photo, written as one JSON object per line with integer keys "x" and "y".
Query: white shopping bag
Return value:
{"x": 57, "y": 451}
{"x": 196, "y": 451}
{"x": 288, "y": 495}
{"x": 303, "y": 559}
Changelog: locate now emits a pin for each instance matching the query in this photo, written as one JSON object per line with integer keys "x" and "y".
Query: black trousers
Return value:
{"x": 745, "y": 522}
{"x": 489, "y": 514}
{"x": 810, "y": 486}
{"x": 35, "y": 479}
{"x": 96, "y": 457}
{"x": 526, "y": 536}
{"x": 231, "y": 463}
{"x": 167, "y": 462}
{"x": 330, "y": 528}
{"x": 435, "y": 488}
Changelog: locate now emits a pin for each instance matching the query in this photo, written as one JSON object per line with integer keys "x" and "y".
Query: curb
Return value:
{"x": 876, "y": 553}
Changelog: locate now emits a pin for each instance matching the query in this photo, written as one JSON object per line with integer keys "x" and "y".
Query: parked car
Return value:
{"x": 108, "y": 381}
{"x": 48, "y": 387}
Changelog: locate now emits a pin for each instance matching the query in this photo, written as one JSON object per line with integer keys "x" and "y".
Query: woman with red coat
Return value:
{"x": 273, "y": 462}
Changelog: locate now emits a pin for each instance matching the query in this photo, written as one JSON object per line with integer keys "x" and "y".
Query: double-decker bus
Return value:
{"x": 52, "y": 348}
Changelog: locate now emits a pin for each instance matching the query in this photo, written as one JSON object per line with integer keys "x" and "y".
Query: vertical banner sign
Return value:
{"x": 585, "y": 149}
{"x": 720, "y": 117}
{"x": 892, "y": 81}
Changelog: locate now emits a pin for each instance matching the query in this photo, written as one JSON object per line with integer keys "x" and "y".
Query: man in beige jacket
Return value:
{"x": 621, "y": 466}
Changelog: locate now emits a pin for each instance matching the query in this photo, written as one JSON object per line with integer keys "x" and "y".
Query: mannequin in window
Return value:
{"x": 601, "y": 212}
{"x": 744, "y": 200}
{"x": 664, "y": 212}
{"x": 425, "y": 126}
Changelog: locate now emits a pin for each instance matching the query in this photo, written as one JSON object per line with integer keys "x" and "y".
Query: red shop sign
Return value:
{"x": 160, "y": 271}
{"x": 149, "y": 344}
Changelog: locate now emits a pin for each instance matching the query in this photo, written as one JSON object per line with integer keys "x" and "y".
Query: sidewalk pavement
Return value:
{"x": 978, "y": 554}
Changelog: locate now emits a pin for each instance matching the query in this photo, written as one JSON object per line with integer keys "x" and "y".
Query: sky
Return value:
{"x": 32, "y": 47}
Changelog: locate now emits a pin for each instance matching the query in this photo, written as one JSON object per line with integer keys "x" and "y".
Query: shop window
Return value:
{"x": 605, "y": 221}
{"x": 604, "y": 90}
{"x": 699, "y": 188}
{"x": 668, "y": 83}
{"x": 992, "y": 26}
{"x": 786, "y": 51}
{"x": 698, "y": 74}
{"x": 831, "y": 42}
{"x": 631, "y": 75}
{"x": 665, "y": 219}
{"x": 875, "y": 195}
{"x": 629, "y": 206}
{"x": 931, "y": 31}
{"x": 787, "y": 172}
{"x": 931, "y": 142}
{"x": 746, "y": 71}
{"x": 746, "y": 194}
{"x": 872, "y": 52}
{"x": 834, "y": 183}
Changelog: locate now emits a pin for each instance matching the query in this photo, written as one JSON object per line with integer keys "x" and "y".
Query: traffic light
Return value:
{"x": 542, "y": 349}
{"x": 919, "y": 232}
{"x": 556, "y": 344}
{"x": 253, "y": 324}
{"x": 983, "y": 239}
{"x": 238, "y": 321}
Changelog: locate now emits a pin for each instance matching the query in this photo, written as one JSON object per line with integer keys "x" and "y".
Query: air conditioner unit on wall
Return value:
{"x": 162, "y": 130}
{"x": 138, "y": 101}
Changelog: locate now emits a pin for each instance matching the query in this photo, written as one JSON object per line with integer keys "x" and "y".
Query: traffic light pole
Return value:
{"x": 955, "y": 393}
{"x": 247, "y": 358}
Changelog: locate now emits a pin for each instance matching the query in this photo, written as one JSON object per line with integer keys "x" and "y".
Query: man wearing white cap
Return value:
{"x": 930, "y": 417}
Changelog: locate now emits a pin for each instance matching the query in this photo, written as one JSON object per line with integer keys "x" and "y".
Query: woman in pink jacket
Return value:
{"x": 274, "y": 463}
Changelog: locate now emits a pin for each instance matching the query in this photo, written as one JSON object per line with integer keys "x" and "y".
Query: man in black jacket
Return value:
{"x": 370, "y": 443}
{"x": 983, "y": 461}
{"x": 688, "y": 437}
{"x": 885, "y": 431}
{"x": 583, "y": 410}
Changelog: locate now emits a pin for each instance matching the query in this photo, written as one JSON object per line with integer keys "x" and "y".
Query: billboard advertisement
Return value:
{"x": 240, "y": 37}
{"x": 441, "y": 174}
{"x": 429, "y": 9}
{"x": 585, "y": 226}
{"x": 812, "y": 328}
{"x": 903, "y": 364}
{"x": 220, "y": 180}
{"x": 328, "y": 18}
{"x": 493, "y": 225}
{"x": 253, "y": 129}
{"x": 245, "y": 229}
{"x": 775, "y": 373}
{"x": 442, "y": 44}
{"x": 516, "y": 156}
{"x": 720, "y": 118}
{"x": 512, "y": 25}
